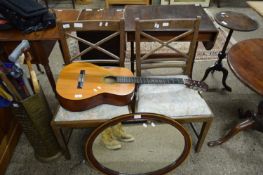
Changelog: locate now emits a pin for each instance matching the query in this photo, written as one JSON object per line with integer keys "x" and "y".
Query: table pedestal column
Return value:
{"x": 218, "y": 64}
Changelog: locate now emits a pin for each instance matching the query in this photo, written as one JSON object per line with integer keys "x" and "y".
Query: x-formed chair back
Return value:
{"x": 69, "y": 31}
{"x": 172, "y": 99}
{"x": 180, "y": 29}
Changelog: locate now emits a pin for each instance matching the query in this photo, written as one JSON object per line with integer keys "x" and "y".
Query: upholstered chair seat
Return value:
{"x": 174, "y": 100}
{"x": 101, "y": 112}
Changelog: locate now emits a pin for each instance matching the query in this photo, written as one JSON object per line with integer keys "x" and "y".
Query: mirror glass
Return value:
{"x": 156, "y": 145}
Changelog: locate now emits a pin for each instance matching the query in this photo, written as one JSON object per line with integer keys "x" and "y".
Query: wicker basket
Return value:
{"x": 34, "y": 115}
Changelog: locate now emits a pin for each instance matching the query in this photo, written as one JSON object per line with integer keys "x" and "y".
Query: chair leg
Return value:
{"x": 73, "y": 3}
{"x": 134, "y": 102}
{"x": 39, "y": 69}
{"x": 61, "y": 140}
{"x": 106, "y": 3}
{"x": 218, "y": 3}
{"x": 132, "y": 56}
{"x": 132, "y": 106}
{"x": 193, "y": 127}
{"x": 46, "y": 2}
{"x": 201, "y": 138}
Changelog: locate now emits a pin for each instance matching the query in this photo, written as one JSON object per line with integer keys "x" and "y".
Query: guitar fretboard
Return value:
{"x": 149, "y": 80}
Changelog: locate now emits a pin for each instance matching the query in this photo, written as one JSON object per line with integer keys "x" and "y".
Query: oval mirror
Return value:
{"x": 138, "y": 144}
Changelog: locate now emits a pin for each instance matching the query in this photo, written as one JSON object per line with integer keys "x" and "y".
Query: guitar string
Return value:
{"x": 146, "y": 80}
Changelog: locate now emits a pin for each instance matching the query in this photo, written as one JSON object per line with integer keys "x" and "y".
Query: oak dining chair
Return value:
{"x": 66, "y": 119}
{"x": 174, "y": 100}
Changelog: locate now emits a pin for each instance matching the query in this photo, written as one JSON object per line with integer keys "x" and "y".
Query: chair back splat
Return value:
{"x": 72, "y": 31}
{"x": 148, "y": 29}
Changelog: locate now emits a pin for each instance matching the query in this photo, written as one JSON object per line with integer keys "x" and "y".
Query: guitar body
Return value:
{"x": 94, "y": 89}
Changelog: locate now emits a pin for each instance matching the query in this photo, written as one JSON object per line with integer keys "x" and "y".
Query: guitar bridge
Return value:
{"x": 81, "y": 79}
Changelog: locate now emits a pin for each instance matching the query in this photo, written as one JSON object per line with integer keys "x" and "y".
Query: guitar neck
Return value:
{"x": 149, "y": 80}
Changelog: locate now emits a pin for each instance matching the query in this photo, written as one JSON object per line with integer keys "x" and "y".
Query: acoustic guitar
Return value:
{"x": 81, "y": 85}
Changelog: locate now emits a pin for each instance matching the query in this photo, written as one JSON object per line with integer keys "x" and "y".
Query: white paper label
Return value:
{"x": 156, "y": 25}
{"x": 100, "y": 24}
{"x": 88, "y": 10}
{"x": 106, "y": 24}
{"x": 78, "y": 95}
{"x": 78, "y": 25}
{"x": 223, "y": 22}
{"x": 137, "y": 116}
{"x": 15, "y": 105}
{"x": 66, "y": 26}
{"x": 166, "y": 24}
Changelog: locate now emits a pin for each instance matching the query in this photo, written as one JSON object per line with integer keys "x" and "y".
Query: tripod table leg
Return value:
{"x": 239, "y": 127}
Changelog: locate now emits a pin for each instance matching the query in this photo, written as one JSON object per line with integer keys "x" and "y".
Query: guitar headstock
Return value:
{"x": 196, "y": 85}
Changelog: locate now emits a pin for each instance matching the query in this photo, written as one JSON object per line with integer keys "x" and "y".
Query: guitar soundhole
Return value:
{"x": 110, "y": 79}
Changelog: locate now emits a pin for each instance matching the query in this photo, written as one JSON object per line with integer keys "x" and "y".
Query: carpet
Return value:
{"x": 203, "y": 54}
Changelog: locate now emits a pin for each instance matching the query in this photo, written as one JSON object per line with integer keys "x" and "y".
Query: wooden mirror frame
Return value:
{"x": 139, "y": 117}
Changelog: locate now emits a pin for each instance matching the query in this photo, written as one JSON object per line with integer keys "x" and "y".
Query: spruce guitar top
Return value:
{"x": 83, "y": 85}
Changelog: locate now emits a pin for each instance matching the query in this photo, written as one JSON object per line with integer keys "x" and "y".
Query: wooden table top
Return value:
{"x": 257, "y": 6}
{"x": 245, "y": 58}
{"x": 67, "y": 14}
{"x": 102, "y": 14}
{"x": 131, "y": 12}
{"x": 207, "y": 31}
{"x": 235, "y": 21}
{"x": 149, "y": 12}
{"x": 167, "y": 12}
